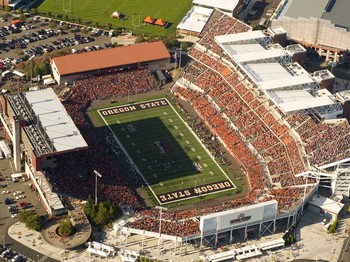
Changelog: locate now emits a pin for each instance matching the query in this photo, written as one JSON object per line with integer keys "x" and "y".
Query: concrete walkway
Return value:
{"x": 35, "y": 241}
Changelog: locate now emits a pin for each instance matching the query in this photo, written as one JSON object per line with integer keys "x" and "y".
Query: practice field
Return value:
{"x": 134, "y": 12}
{"x": 166, "y": 153}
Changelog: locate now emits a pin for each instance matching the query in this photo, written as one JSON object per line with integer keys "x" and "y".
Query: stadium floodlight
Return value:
{"x": 160, "y": 222}
{"x": 97, "y": 174}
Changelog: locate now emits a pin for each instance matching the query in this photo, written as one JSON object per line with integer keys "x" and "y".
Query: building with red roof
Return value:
{"x": 153, "y": 55}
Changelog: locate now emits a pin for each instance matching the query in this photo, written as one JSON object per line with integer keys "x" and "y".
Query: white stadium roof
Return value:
{"x": 219, "y": 4}
{"x": 56, "y": 122}
{"x": 268, "y": 71}
{"x": 271, "y": 68}
{"x": 243, "y": 49}
{"x": 296, "y": 100}
{"x": 288, "y": 81}
{"x": 259, "y": 55}
{"x": 230, "y": 38}
{"x": 195, "y": 19}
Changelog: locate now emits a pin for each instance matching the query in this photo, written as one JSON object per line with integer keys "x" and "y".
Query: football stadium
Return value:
{"x": 280, "y": 124}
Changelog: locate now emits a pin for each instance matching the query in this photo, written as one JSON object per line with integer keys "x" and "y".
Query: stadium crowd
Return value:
{"x": 258, "y": 138}
{"x": 250, "y": 116}
{"x": 334, "y": 136}
{"x": 222, "y": 25}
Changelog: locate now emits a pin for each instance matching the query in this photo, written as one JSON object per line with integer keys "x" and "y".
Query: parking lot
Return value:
{"x": 22, "y": 41}
{"x": 257, "y": 11}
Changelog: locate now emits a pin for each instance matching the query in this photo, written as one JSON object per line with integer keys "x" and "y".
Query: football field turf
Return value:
{"x": 167, "y": 154}
{"x": 134, "y": 12}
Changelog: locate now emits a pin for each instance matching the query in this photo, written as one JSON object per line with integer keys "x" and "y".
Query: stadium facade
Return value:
{"x": 153, "y": 55}
{"x": 39, "y": 128}
{"x": 322, "y": 25}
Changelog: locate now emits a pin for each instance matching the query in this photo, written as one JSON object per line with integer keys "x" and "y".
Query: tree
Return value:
{"x": 333, "y": 227}
{"x": 34, "y": 222}
{"x": 23, "y": 216}
{"x": 108, "y": 26}
{"x": 140, "y": 39}
{"x": 66, "y": 227}
{"x": 49, "y": 13}
{"x": 84, "y": 31}
{"x": 22, "y": 17}
{"x": 33, "y": 11}
{"x": 53, "y": 24}
{"x": 65, "y": 27}
{"x": 65, "y": 18}
{"x": 95, "y": 24}
{"x": 102, "y": 215}
{"x": 19, "y": 11}
{"x": 7, "y": 9}
{"x": 170, "y": 41}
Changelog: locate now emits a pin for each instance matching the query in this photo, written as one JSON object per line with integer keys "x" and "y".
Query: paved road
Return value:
{"x": 345, "y": 253}
{"x": 5, "y": 218}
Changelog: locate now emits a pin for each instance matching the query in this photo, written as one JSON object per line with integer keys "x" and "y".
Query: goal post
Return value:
{"x": 67, "y": 6}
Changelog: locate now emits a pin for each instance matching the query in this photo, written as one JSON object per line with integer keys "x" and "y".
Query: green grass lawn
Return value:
{"x": 134, "y": 11}
{"x": 168, "y": 155}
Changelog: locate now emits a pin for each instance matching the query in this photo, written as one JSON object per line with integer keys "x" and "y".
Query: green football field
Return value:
{"x": 134, "y": 12}
{"x": 168, "y": 155}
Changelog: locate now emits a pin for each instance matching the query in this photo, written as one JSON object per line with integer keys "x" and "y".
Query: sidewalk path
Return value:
{"x": 34, "y": 240}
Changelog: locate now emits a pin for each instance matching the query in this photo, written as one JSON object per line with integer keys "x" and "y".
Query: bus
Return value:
{"x": 17, "y": 177}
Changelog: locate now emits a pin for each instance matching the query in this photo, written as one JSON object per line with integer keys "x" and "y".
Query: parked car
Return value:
{"x": 16, "y": 193}
{"x": 8, "y": 201}
{"x": 5, "y": 192}
{"x": 20, "y": 197}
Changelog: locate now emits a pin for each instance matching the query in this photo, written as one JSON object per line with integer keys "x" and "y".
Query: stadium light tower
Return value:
{"x": 97, "y": 174}
{"x": 160, "y": 222}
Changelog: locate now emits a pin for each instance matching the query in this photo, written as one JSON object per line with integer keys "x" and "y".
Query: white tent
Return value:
{"x": 116, "y": 14}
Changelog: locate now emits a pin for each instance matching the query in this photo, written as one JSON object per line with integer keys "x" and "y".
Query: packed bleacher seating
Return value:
{"x": 220, "y": 24}
{"x": 325, "y": 142}
{"x": 232, "y": 98}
